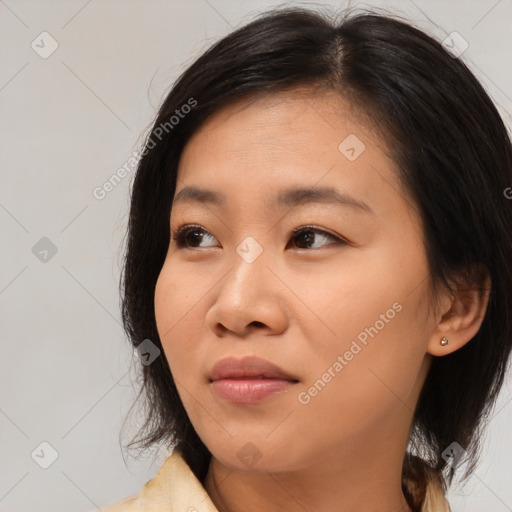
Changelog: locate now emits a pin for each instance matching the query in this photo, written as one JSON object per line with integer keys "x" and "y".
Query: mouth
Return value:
{"x": 249, "y": 380}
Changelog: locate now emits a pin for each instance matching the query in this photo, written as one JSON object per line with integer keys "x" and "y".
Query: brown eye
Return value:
{"x": 191, "y": 236}
{"x": 306, "y": 236}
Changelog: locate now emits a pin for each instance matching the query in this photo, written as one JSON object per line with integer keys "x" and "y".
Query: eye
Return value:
{"x": 305, "y": 235}
{"x": 191, "y": 236}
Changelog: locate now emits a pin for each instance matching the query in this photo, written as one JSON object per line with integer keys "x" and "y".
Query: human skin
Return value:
{"x": 301, "y": 308}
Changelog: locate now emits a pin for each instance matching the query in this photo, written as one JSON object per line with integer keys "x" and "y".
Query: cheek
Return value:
{"x": 363, "y": 297}
{"x": 174, "y": 302}
{"x": 377, "y": 320}
{"x": 178, "y": 296}
{"x": 359, "y": 388}
{"x": 178, "y": 312}
{"x": 165, "y": 303}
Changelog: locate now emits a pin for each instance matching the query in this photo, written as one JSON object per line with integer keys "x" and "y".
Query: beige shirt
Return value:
{"x": 176, "y": 489}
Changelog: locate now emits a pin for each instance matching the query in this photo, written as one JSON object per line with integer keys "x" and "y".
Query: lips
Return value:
{"x": 249, "y": 380}
{"x": 248, "y": 367}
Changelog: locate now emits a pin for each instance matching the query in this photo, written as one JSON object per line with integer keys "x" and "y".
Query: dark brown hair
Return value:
{"x": 454, "y": 158}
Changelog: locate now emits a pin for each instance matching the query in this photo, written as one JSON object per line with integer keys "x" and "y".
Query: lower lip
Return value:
{"x": 249, "y": 391}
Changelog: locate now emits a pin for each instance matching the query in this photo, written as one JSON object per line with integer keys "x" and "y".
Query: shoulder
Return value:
{"x": 174, "y": 488}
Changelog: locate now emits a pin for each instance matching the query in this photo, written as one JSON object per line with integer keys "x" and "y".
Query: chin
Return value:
{"x": 254, "y": 457}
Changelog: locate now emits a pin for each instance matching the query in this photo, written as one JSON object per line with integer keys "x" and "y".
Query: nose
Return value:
{"x": 249, "y": 298}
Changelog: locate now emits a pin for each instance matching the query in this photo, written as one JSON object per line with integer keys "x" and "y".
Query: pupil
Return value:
{"x": 306, "y": 237}
{"x": 195, "y": 234}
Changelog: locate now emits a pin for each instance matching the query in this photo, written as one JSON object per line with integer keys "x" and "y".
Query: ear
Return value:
{"x": 461, "y": 314}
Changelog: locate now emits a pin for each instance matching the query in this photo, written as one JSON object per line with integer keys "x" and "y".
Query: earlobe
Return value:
{"x": 461, "y": 322}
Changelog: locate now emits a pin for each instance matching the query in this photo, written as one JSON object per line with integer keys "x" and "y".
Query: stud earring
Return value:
{"x": 444, "y": 341}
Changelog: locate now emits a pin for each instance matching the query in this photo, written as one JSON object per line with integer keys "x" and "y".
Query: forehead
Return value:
{"x": 282, "y": 121}
{"x": 260, "y": 146}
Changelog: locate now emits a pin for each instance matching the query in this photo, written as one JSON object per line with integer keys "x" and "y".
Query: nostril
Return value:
{"x": 257, "y": 324}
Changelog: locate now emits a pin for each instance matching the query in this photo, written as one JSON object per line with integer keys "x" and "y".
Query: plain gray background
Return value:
{"x": 69, "y": 120}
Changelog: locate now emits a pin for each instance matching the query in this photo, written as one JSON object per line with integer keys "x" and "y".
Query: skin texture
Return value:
{"x": 301, "y": 305}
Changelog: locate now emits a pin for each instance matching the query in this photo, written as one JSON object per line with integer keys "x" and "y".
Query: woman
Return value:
{"x": 319, "y": 245}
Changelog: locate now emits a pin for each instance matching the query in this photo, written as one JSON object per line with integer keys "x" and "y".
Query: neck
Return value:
{"x": 356, "y": 481}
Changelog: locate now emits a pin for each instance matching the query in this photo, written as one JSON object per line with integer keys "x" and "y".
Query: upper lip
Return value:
{"x": 249, "y": 366}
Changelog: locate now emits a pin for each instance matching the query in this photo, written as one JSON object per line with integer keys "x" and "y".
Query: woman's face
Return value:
{"x": 341, "y": 307}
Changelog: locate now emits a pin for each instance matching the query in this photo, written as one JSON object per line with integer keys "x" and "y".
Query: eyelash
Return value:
{"x": 179, "y": 235}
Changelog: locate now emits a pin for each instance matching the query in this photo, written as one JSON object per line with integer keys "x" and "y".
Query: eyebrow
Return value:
{"x": 285, "y": 198}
